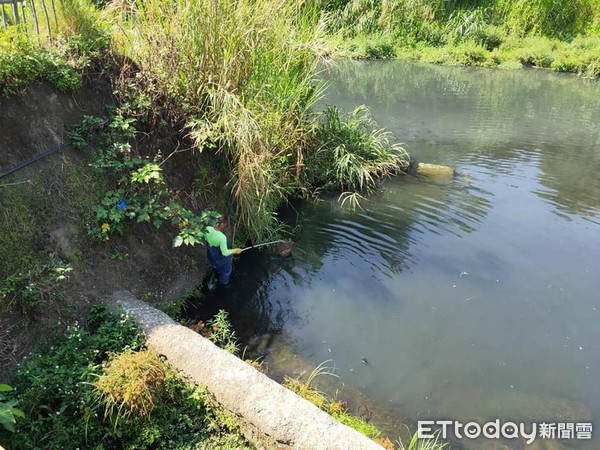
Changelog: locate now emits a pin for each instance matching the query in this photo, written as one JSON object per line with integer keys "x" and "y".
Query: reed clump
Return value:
{"x": 352, "y": 154}
{"x": 239, "y": 75}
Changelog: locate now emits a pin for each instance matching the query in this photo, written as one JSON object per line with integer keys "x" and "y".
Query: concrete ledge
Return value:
{"x": 274, "y": 417}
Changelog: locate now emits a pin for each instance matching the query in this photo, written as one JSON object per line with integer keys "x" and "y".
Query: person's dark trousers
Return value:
{"x": 221, "y": 264}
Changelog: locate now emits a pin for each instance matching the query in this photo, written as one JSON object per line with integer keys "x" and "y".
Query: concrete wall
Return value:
{"x": 272, "y": 417}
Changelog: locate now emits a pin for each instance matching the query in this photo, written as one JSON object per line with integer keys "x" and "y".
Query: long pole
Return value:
{"x": 260, "y": 245}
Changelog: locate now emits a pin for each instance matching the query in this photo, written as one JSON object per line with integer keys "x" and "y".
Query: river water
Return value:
{"x": 473, "y": 299}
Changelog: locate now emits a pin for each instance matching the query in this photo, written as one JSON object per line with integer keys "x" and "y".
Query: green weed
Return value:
{"x": 221, "y": 332}
{"x": 22, "y": 62}
{"x": 423, "y": 444}
{"x": 29, "y": 292}
{"x": 55, "y": 389}
{"x": 353, "y": 153}
{"x": 337, "y": 409}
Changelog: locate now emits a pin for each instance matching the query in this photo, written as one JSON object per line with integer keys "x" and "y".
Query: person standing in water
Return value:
{"x": 219, "y": 255}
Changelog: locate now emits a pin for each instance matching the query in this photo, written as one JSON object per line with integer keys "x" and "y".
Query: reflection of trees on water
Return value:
{"x": 570, "y": 178}
{"x": 444, "y": 113}
{"x": 376, "y": 241}
{"x": 369, "y": 236}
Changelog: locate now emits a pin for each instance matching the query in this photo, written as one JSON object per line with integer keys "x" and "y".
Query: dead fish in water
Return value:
{"x": 365, "y": 361}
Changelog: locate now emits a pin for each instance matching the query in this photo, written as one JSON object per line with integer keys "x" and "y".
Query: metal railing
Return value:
{"x": 39, "y": 14}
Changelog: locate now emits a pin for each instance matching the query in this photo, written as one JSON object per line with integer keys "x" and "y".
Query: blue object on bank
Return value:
{"x": 122, "y": 204}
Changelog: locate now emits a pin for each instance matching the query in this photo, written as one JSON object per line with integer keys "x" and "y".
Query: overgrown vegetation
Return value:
{"x": 248, "y": 97}
{"x": 222, "y": 73}
{"x": 561, "y": 35}
{"x": 99, "y": 389}
{"x": 353, "y": 154}
{"x": 22, "y": 62}
{"x": 35, "y": 289}
{"x": 60, "y": 45}
{"x": 234, "y": 79}
{"x": 8, "y": 410}
{"x": 221, "y": 332}
{"x": 137, "y": 189}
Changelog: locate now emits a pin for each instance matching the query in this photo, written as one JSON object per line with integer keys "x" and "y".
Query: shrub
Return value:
{"x": 430, "y": 32}
{"x": 353, "y": 154}
{"x": 490, "y": 37}
{"x": 434, "y": 55}
{"x": 22, "y": 62}
{"x": 468, "y": 54}
{"x": 131, "y": 385}
{"x": 380, "y": 48}
{"x": 55, "y": 388}
{"x": 8, "y": 410}
{"x": 566, "y": 63}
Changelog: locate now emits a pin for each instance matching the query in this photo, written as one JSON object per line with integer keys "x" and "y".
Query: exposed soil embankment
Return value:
{"x": 38, "y": 118}
{"x": 46, "y": 209}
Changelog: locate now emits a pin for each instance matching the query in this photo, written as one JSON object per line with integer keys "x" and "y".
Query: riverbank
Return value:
{"x": 58, "y": 259}
{"x": 511, "y": 53}
{"x": 508, "y": 35}
{"x": 241, "y": 134}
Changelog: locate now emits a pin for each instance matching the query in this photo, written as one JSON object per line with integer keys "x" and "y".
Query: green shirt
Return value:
{"x": 217, "y": 238}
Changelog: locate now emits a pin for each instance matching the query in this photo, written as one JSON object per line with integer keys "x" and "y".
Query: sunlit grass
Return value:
{"x": 539, "y": 33}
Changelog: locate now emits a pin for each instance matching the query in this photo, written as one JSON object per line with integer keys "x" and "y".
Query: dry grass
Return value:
{"x": 131, "y": 384}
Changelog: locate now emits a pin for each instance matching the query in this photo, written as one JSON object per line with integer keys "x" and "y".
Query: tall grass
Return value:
{"x": 353, "y": 154}
{"x": 237, "y": 76}
{"x": 57, "y": 41}
{"x": 558, "y": 18}
{"x": 61, "y": 24}
{"x": 472, "y": 32}
{"x": 240, "y": 74}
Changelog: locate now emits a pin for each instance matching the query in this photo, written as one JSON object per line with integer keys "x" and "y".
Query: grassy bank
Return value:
{"x": 559, "y": 35}
{"x": 235, "y": 79}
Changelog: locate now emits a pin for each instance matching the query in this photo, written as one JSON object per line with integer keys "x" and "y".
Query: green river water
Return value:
{"x": 474, "y": 299}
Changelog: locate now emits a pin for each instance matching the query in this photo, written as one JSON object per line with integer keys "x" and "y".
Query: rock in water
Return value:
{"x": 435, "y": 172}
